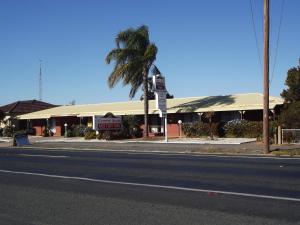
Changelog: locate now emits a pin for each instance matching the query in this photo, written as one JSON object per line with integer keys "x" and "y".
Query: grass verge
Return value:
{"x": 289, "y": 152}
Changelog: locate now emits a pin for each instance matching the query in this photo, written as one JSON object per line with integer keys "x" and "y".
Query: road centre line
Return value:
{"x": 132, "y": 152}
{"x": 183, "y": 153}
{"x": 156, "y": 186}
{"x": 46, "y": 156}
{"x": 180, "y": 153}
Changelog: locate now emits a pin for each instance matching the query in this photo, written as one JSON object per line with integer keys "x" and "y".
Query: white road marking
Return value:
{"x": 156, "y": 186}
{"x": 46, "y": 156}
{"x": 168, "y": 153}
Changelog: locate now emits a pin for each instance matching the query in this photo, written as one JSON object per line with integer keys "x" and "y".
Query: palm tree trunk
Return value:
{"x": 146, "y": 103}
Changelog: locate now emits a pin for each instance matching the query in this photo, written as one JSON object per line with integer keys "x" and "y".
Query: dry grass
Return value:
{"x": 289, "y": 152}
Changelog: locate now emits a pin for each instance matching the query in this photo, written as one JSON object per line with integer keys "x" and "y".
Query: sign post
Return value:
{"x": 107, "y": 123}
{"x": 160, "y": 91}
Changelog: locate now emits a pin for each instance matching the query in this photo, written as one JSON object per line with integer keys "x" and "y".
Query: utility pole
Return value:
{"x": 40, "y": 81}
{"x": 266, "y": 78}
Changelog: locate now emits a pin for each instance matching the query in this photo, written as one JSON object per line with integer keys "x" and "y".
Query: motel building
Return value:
{"x": 227, "y": 107}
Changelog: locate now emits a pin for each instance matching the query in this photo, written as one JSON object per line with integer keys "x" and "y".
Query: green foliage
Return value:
{"x": 133, "y": 58}
{"x": 292, "y": 93}
{"x": 131, "y": 129}
{"x": 290, "y": 115}
{"x": 70, "y": 133}
{"x": 284, "y": 152}
{"x": 90, "y": 134}
{"x": 248, "y": 129}
{"x": 131, "y": 126}
{"x": 290, "y": 137}
{"x": 8, "y": 131}
{"x": 112, "y": 135}
{"x": 2, "y": 115}
{"x": 199, "y": 129}
{"x": 243, "y": 128}
{"x": 77, "y": 130}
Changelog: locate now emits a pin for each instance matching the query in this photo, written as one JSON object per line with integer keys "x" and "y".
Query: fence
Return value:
{"x": 290, "y": 136}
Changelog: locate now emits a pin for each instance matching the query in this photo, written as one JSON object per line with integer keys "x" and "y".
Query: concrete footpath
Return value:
{"x": 242, "y": 146}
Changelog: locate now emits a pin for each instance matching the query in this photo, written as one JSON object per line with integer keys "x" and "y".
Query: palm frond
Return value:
{"x": 133, "y": 57}
{"x": 150, "y": 54}
{"x": 155, "y": 70}
{"x": 112, "y": 55}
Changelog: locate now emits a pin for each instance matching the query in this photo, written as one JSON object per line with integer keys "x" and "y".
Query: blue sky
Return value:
{"x": 206, "y": 47}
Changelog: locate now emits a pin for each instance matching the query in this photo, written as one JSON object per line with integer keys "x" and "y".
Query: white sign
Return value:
{"x": 161, "y": 100}
{"x": 103, "y": 123}
{"x": 159, "y": 83}
{"x": 159, "y": 88}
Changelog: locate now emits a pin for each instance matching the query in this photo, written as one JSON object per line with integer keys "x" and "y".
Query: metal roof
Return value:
{"x": 237, "y": 102}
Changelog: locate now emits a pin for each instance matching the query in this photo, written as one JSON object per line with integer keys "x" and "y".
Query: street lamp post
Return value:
{"x": 66, "y": 130}
{"x": 179, "y": 123}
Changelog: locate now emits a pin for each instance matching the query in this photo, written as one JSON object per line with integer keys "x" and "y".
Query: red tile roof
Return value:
{"x": 22, "y": 107}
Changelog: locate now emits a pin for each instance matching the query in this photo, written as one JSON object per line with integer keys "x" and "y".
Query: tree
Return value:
{"x": 290, "y": 113}
{"x": 2, "y": 115}
{"x": 292, "y": 93}
{"x": 133, "y": 56}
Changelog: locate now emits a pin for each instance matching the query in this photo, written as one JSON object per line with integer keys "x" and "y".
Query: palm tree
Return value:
{"x": 134, "y": 56}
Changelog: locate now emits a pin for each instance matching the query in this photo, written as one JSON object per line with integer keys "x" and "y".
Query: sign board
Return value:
{"x": 159, "y": 88}
{"x": 159, "y": 83}
{"x": 161, "y": 101}
{"x": 21, "y": 139}
{"x": 102, "y": 123}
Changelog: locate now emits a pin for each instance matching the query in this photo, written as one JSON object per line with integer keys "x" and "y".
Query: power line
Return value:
{"x": 277, "y": 41}
{"x": 255, "y": 34}
{"x": 40, "y": 81}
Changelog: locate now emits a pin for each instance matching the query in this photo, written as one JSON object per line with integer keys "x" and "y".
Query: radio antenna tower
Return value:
{"x": 40, "y": 81}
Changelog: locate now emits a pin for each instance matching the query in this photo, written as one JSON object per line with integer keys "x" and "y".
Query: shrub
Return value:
{"x": 1, "y": 132}
{"x": 234, "y": 128}
{"x": 199, "y": 129}
{"x": 247, "y": 129}
{"x": 8, "y": 131}
{"x": 290, "y": 137}
{"x": 131, "y": 127}
{"x": 289, "y": 116}
{"x": 70, "y": 133}
{"x": 112, "y": 135}
{"x": 90, "y": 134}
{"x": 78, "y": 130}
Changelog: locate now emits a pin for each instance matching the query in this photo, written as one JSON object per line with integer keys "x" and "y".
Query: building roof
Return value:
{"x": 238, "y": 102}
{"x": 23, "y": 107}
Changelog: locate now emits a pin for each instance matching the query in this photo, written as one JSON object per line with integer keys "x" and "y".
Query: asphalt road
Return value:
{"x": 93, "y": 187}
